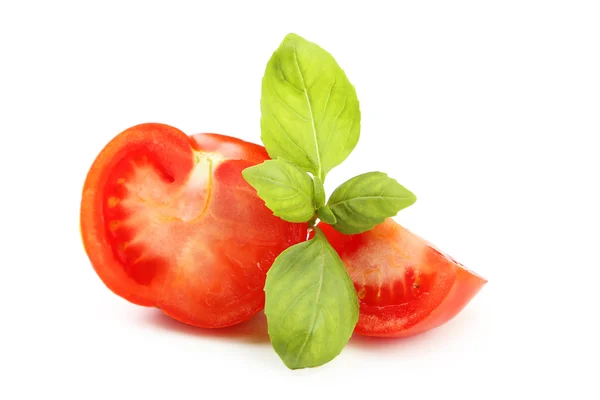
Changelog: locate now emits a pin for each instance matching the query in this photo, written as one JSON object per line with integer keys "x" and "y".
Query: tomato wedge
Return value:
{"x": 168, "y": 221}
{"x": 404, "y": 284}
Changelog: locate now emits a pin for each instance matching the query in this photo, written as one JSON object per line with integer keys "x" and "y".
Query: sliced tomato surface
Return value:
{"x": 167, "y": 220}
{"x": 404, "y": 284}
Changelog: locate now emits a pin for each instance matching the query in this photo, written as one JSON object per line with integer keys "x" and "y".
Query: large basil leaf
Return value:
{"x": 310, "y": 111}
{"x": 311, "y": 304}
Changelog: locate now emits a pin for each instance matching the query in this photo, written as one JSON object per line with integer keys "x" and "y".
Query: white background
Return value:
{"x": 488, "y": 111}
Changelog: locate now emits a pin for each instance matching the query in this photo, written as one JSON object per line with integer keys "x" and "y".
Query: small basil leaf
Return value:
{"x": 367, "y": 200}
{"x": 326, "y": 215}
{"x": 310, "y": 111}
{"x": 311, "y": 304}
{"x": 285, "y": 189}
{"x": 319, "y": 192}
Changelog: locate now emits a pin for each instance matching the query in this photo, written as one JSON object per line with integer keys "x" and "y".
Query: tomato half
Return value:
{"x": 404, "y": 284}
{"x": 167, "y": 220}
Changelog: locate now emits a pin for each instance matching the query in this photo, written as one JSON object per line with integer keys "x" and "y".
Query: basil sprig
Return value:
{"x": 310, "y": 124}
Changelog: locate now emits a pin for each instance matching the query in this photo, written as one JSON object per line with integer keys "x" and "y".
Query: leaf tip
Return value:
{"x": 248, "y": 173}
{"x": 411, "y": 198}
{"x": 414, "y": 198}
{"x": 292, "y": 37}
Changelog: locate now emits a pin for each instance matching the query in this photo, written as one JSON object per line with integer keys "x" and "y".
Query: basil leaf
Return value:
{"x": 285, "y": 189}
{"x": 310, "y": 111}
{"x": 319, "y": 192}
{"x": 367, "y": 200}
{"x": 326, "y": 215}
{"x": 311, "y": 304}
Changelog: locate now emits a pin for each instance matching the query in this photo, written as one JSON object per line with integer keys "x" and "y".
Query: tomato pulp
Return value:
{"x": 167, "y": 220}
{"x": 404, "y": 284}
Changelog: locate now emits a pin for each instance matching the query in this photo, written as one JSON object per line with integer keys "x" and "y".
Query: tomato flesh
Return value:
{"x": 182, "y": 230}
{"x": 404, "y": 284}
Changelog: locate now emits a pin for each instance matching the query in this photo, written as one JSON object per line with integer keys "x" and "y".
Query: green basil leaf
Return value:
{"x": 326, "y": 215}
{"x": 310, "y": 111}
{"x": 319, "y": 192}
{"x": 285, "y": 189}
{"x": 367, "y": 200}
{"x": 311, "y": 304}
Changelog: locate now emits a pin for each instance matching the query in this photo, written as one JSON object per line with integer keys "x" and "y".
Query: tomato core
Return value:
{"x": 146, "y": 214}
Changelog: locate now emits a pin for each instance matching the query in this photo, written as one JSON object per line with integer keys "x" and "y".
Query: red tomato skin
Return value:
{"x": 164, "y": 283}
{"x": 466, "y": 285}
{"x": 449, "y": 292}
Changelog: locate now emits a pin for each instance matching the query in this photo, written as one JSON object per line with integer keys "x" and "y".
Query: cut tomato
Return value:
{"x": 404, "y": 284}
{"x": 167, "y": 220}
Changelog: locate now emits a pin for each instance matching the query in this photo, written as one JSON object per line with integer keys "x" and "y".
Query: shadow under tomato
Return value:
{"x": 438, "y": 336}
{"x": 385, "y": 343}
{"x": 252, "y": 331}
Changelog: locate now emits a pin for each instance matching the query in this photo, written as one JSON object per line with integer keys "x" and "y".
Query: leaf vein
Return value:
{"x": 279, "y": 183}
{"x": 287, "y": 105}
{"x": 310, "y": 111}
{"x": 312, "y": 328}
{"x": 335, "y": 123}
{"x": 326, "y": 102}
{"x": 367, "y": 198}
{"x": 290, "y": 138}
